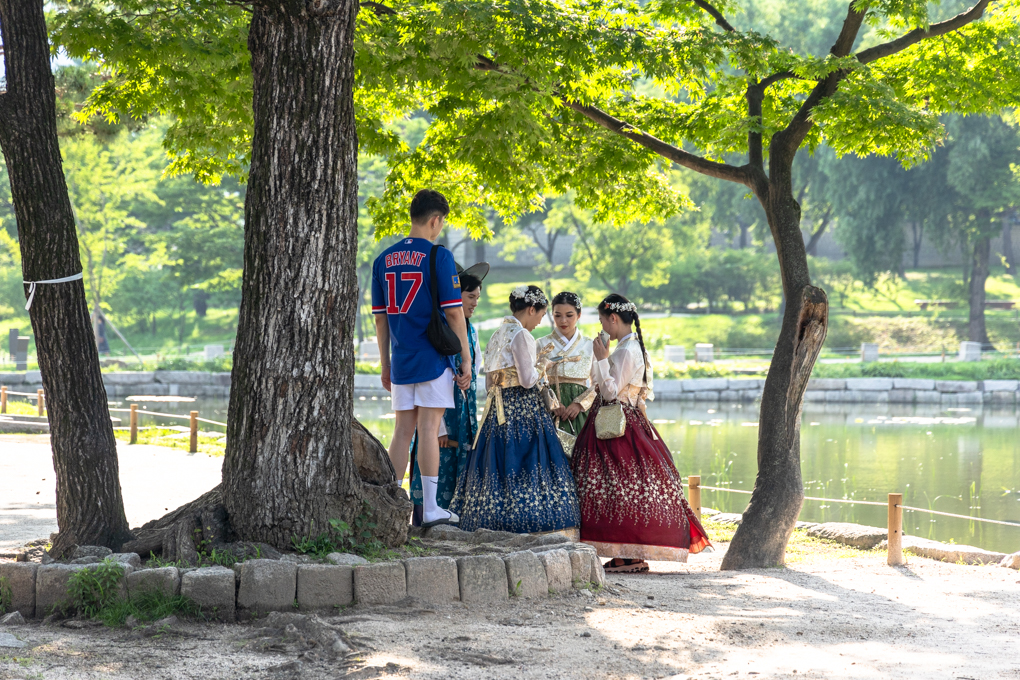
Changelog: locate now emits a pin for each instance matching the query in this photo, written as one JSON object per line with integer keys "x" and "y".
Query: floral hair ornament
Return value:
{"x": 532, "y": 297}
{"x": 621, "y": 307}
{"x": 574, "y": 299}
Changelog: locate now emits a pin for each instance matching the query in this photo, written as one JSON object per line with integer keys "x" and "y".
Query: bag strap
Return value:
{"x": 433, "y": 279}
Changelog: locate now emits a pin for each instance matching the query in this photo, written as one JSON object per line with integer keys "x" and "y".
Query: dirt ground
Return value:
{"x": 831, "y": 618}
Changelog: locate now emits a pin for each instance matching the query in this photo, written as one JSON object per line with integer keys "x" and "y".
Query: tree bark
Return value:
{"x": 90, "y": 509}
{"x": 976, "y": 331}
{"x": 771, "y": 515}
{"x": 289, "y": 467}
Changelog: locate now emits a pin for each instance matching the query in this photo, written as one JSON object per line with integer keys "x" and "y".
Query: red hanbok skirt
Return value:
{"x": 632, "y": 500}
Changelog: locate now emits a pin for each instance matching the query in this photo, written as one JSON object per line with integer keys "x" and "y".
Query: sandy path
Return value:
{"x": 850, "y": 618}
{"x": 153, "y": 480}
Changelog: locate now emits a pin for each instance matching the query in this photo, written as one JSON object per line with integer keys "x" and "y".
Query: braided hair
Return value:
{"x": 568, "y": 298}
{"x": 627, "y": 311}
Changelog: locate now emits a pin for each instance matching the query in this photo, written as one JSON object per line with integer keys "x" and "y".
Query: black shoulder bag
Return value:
{"x": 440, "y": 335}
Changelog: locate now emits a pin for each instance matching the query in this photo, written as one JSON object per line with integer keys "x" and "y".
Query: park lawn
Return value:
{"x": 21, "y": 408}
{"x": 212, "y": 445}
{"x": 217, "y": 327}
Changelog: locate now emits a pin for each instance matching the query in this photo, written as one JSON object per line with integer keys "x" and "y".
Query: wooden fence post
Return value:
{"x": 194, "y": 432}
{"x": 134, "y": 423}
{"x": 896, "y": 529}
{"x": 694, "y": 493}
{"x": 40, "y": 402}
{"x": 3, "y": 399}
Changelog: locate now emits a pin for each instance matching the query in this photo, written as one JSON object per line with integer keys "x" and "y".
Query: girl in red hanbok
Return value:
{"x": 632, "y": 503}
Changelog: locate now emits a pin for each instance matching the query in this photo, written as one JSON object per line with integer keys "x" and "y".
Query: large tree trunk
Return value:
{"x": 90, "y": 510}
{"x": 289, "y": 467}
{"x": 976, "y": 331}
{"x": 771, "y": 515}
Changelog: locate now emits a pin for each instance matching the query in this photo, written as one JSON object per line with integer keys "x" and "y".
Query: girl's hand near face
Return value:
{"x": 598, "y": 349}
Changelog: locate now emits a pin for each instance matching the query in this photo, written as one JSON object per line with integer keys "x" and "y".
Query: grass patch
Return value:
{"x": 21, "y": 408}
{"x": 212, "y": 445}
{"x": 803, "y": 549}
{"x": 995, "y": 369}
{"x": 95, "y": 593}
{"x": 718, "y": 533}
{"x": 6, "y": 596}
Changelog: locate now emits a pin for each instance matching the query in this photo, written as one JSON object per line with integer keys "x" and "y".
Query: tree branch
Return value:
{"x": 378, "y": 8}
{"x": 789, "y": 139}
{"x": 720, "y": 20}
{"x": 690, "y": 161}
{"x": 918, "y": 34}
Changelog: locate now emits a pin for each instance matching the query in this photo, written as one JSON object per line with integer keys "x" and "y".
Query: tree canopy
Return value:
{"x": 537, "y": 98}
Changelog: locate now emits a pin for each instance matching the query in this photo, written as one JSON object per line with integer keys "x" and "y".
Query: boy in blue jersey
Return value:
{"x": 420, "y": 379}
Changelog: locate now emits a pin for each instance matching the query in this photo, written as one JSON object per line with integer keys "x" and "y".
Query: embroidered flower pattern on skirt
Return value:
{"x": 518, "y": 478}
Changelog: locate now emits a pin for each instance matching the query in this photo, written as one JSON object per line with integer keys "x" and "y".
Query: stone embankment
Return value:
{"x": 120, "y": 385}
{"x": 485, "y": 566}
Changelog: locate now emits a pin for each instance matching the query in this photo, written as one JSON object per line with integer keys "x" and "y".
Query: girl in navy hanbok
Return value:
{"x": 517, "y": 478}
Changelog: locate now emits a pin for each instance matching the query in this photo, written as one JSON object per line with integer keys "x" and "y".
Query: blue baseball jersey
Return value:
{"x": 401, "y": 290}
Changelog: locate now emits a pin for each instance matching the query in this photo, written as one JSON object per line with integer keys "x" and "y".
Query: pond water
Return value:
{"x": 963, "y": 461}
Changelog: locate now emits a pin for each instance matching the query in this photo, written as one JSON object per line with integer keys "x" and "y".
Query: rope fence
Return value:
{"x": 192, "y": 418}
{"x": 894, "y": 505}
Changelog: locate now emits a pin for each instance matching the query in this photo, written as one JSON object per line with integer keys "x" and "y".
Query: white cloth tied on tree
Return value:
{"x": 33, "y": 284}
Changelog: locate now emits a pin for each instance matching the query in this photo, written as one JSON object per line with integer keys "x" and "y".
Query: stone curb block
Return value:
{"x": 703, "y": 384}
{"x": 855, "y": 535}
{"x": 956, "y": 385}
{"x": 525, "y": 575}
{"x": 999, "y": 385}
{"x": 166, "y": 579}
{"x": 432, "y": 579}
{"x": 381, "y": 583}
{"x": 324, "y": 587}
{"x": 482, "y": 578}
{"x": 967, "y": 554}
{"x": 51, "y": 581}
{"x": 913, "y": 384}
{"x": 213, "y": 589}
{"x": 557, "y": 570}
{"x": 869, "y": 384}
{"x": 266, "y": 586}
{"x": 21, "y": 577}
{"x": 816, "y": 384}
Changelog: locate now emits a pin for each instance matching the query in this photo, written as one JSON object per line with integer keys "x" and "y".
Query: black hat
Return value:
{"x": 479, "y": 271}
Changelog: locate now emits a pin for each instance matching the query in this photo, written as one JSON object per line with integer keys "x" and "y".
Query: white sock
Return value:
{"x": 430, "y": 508}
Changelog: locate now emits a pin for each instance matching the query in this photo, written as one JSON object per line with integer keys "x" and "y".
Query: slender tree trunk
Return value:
{"x": 816, "y": 236}
{"x": 976, "y": 331}
{"x": 917, "y": 232}
{"x": 90, "y": 510}
{"x": 289, "y": 467}
{"x": 1007, "y": 242}
{"x": 771, "y": 515}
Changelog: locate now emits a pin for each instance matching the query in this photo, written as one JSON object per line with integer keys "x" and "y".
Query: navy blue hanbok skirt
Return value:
{"x": 517, "y": 478}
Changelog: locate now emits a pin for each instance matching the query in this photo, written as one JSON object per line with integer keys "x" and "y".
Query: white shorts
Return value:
{"x": 436, "y": 393}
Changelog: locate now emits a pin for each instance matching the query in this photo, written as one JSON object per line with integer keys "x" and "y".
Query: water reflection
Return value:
{"x": 964, "y": 461}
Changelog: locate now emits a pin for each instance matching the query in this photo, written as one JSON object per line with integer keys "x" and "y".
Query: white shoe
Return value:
{"x": 448, "y": 518}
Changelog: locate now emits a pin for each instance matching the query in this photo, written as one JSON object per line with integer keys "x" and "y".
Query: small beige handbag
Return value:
{"x": 567, "y": 440}
{"x": 611, "y": 421}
